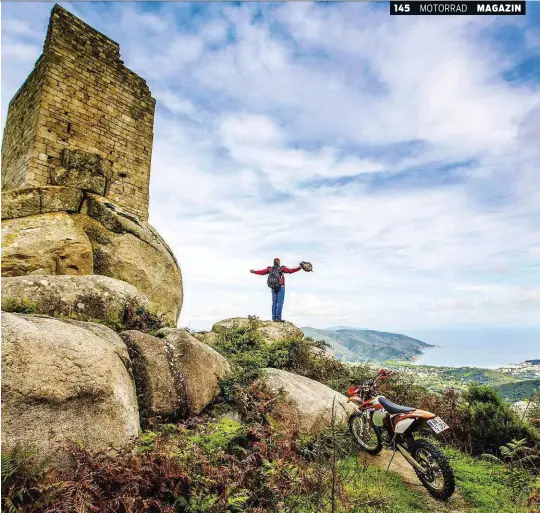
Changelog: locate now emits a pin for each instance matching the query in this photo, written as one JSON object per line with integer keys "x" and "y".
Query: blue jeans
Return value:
{"x": 278, "y": 299}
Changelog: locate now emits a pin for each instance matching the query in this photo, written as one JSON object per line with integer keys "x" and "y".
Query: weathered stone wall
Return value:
{"x": 20, "y": 166}
{"x": 88, "y": 100}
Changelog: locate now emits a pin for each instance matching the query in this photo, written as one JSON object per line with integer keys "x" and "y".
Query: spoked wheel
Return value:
{"x": 364, "y": 433}
{"x": 438, "y": 476}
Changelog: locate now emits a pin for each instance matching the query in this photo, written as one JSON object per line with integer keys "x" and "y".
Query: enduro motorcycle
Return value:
{"x": 379, "y": 422}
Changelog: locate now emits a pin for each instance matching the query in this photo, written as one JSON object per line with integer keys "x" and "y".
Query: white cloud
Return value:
{"x": 175, "y": 103}
{"x": 256, "y": 141}
{"x": 214, "y": 31}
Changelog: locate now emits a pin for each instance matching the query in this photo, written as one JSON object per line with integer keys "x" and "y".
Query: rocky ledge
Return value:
{"x": 270, "y": 331}
{"x": 60, "y": 230}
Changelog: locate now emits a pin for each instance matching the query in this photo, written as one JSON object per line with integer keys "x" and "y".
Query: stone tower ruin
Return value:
{"x": 81, "y": 119}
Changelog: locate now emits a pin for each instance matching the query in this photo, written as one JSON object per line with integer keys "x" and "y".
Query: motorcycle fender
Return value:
{"x": 403, "y": 425}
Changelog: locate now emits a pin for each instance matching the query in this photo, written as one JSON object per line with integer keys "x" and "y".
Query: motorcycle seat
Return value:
{"x": 392, "y": 408}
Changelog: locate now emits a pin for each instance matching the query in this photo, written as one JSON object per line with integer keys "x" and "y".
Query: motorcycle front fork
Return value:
{"x": 410, "y": 458}
{"x": 404, "y": 445}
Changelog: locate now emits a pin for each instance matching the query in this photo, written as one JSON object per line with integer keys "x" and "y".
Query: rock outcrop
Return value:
{"x": 308, "y": 403}
{"x": 65, "y": 380}
{"x": 132, "y": 251}
{"x": 70, "y": 231}
{"x": 200, "y": 366}
{"x": 207, "y": 337}
{"x": 161, "y": 387}
{"x": 99, "y": 298}
{"x": 45, "y": 244}
{"x": 76, "y": 244}
{"x": 271, "y": 331}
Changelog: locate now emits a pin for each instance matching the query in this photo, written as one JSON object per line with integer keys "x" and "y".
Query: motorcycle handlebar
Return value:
{"x": 382, "y": 374}
{"x": 370, "y": 383}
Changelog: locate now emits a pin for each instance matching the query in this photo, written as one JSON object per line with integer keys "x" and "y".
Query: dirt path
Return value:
{"x": 456, "y": 504}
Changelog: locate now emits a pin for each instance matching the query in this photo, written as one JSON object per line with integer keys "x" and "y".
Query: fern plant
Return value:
{"x": 520, "y": 465}
{"x": 517, "y": 453}
{"x": 22, "y": 470}
{"x": 197, "y": 503}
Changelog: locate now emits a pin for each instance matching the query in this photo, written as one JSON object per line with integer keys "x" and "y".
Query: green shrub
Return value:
{"x": 248, "y": 353}
{"x": 489, "y": 422}
{"x": 147, "y": 441}
{"x": 533, "y": 502}
{"x": 22, "y": 305}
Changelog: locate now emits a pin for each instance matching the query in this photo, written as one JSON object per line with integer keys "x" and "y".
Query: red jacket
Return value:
{"x": 283, "y": 269}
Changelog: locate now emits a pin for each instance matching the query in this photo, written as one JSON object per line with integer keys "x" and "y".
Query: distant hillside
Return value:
{"x": 354, "y": 345}
{"x": 518, "y": 391}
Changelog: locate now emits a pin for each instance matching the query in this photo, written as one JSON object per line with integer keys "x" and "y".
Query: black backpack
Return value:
{"x": 274, "y": 278}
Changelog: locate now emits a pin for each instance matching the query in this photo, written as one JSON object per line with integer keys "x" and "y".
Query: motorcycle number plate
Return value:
{"x": 438, "y": 425}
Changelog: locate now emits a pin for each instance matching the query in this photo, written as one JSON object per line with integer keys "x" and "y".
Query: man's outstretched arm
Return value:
{"x": 290, "y": 271}
{"x": 261, "y": 272}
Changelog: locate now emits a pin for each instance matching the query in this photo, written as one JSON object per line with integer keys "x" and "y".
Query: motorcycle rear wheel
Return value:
{"x": 364, "y": 433}
{"x": 439, "y": 479}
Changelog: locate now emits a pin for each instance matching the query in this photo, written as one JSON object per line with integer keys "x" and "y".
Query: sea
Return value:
{"x": 488, "y": 348}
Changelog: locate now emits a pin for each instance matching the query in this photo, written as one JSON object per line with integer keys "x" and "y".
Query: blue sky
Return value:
{"x": 400, "y": 155}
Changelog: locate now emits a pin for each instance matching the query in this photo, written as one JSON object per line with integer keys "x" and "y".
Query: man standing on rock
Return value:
{"x": 276, "y": 281}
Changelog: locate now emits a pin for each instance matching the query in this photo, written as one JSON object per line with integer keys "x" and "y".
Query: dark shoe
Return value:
{"x": 280, "y": 320}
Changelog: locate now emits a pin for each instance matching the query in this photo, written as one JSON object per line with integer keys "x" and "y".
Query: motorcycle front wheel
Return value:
{"x": 438, "y": 477}
{"x": 364, "y": 433}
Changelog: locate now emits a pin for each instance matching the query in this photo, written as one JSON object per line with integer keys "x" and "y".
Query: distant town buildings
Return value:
{"x": 526, "y": 369}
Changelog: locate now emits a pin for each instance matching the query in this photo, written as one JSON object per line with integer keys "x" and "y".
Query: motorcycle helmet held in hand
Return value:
{"x": 306, "y": 266}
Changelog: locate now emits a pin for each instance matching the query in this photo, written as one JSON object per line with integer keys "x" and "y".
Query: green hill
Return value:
{"x": 518, "y": 391}
{"x": 354, "y": 345}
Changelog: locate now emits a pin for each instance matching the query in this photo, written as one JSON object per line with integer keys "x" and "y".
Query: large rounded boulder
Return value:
{"x": 65, "y": 380}
{"x": 200, "y": 366}
{"x": 91, "y": 297}
{"x": 130, "y": 250}
{"x": 176, "y": 375}
{"x": 45, "y": 244}
{"x": 308, "y": 405}
{"x": 160, "y": 383}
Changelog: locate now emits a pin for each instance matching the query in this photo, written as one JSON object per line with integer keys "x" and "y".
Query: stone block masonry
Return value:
{"x": 80, "y": 96}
